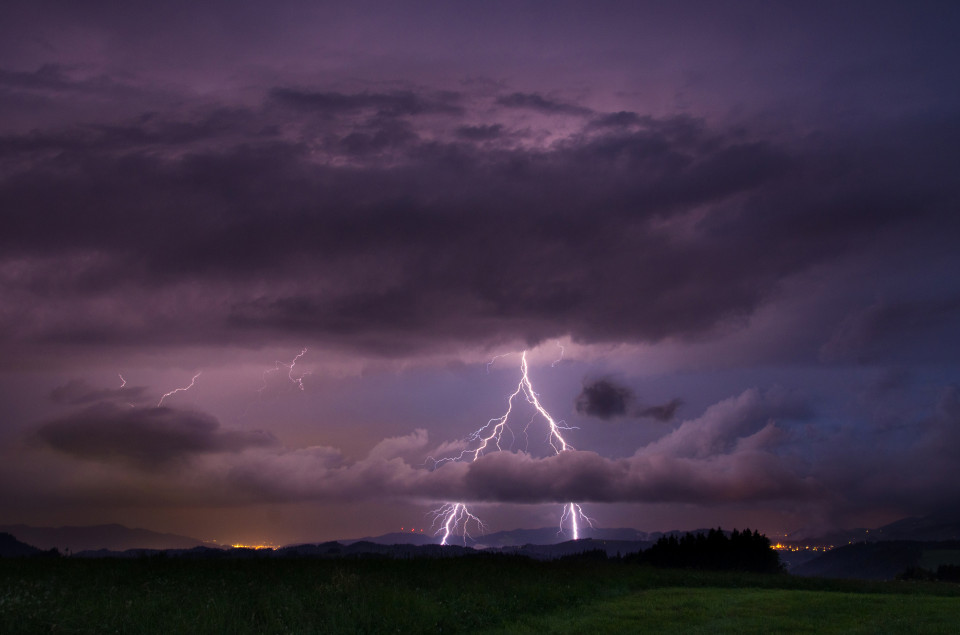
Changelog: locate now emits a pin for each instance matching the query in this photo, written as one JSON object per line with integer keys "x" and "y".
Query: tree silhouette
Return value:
{"x": 741, "y": 551}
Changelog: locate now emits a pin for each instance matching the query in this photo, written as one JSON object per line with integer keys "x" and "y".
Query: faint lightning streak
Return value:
{"x": 298, "y": 381}
{"x": 495, "y": 358}
{"x": 124, "y": 383}
{"x": 176, "y": 390}
{"x": 559, "y": 359}
{"x": 451, "y": 516}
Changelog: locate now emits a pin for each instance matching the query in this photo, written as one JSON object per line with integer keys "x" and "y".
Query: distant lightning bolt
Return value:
{"x": 298, "y": 381}
{"x": 559, "y": 359}
{"x": 123, "y": 383}
{"x": 454, "y": 517}
{"x": 176, "y": 390}
{"x": 495, "y": 358}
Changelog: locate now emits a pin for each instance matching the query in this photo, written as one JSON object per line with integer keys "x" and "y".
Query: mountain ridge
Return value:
{"x": 111, "y": 536}
{"x": 117, "y": 537}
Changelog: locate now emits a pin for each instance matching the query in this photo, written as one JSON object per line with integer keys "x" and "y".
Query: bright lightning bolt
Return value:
{"x": 451, "y": 516}
{"x": 573, "y": 513}
{"x": 455, "y": 517}
{"x": 176, "y": 390}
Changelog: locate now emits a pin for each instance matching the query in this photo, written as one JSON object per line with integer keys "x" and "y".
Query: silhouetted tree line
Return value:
{"x": 944, "y": 573}
{"x": 593, "y": 555}
{"x": 740, "y": 551}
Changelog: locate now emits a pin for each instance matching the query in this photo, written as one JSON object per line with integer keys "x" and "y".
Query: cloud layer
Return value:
{"x": 744, "y": 449}
{"x": 349, "y": 218}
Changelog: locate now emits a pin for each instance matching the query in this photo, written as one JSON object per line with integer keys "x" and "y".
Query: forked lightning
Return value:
{"x": 454, "y": 518}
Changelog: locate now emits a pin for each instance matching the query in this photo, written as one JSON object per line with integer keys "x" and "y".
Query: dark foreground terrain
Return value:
{"x": 466, "y": 594}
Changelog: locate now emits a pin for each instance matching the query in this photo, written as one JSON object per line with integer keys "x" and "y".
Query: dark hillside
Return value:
{"x": 878, "y": 560}
{"x": 10, "y": 547}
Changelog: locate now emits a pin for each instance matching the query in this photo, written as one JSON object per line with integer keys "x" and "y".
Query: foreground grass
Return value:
{"x": 451, "y": 595}
{"x": 720, "y": 610}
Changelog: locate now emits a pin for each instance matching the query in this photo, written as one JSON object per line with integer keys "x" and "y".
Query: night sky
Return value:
{"x": 726, "y": 234}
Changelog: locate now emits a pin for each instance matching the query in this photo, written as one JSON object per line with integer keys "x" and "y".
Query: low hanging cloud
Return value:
{"x": 537, "y": 102}
{"x": 663, "y": 412}
{"x": 144, "y": 437}
{"x": 605, "y": 399}
{"x": 393, "y": 104}
{"x": 730, "y": 453}
{"x": 760, "y": 446}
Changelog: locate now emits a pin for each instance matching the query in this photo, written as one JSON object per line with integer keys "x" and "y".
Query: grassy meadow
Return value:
{"x": 476, "y": 594}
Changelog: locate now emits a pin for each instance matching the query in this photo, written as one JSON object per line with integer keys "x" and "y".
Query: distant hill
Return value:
{"x": 521, "y": 537}
{"x": 10, "y": 547}
{"x": 114, "y": 537}
{"x": 612, "y": 548}
{"x": 363, "y": 549}
{"x": 936, "y": 527}
{"x": 551, "y": 536}
{"x": 880, "y": 560}
{"x": 397, "y": 538}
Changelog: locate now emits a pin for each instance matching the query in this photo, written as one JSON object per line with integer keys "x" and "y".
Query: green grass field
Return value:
{"x": 166, "y": 595}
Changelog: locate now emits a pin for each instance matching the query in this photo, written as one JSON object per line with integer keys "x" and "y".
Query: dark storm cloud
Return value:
{"x": 620, "y": 119}
{"x": 52, "y": 81}
{"x": 145, "y": 437}
{"x": 535, "y": 101}
{"x": 589, "y": 477}
{"x": 877, "y": 332}
{"x": 223, "y": 228}
{"x": 910, "y": 466}
{"x": 47, "y": 77}
{"x": 393, "y": 104}
{"x": 480, "y": 133}
{"x": 377, "y": 137}
{"x": 148, "y": 132}
{"x": 79, "y": 392}
{"x": 663, "y": 412}
{"x": 604, "y": 399}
